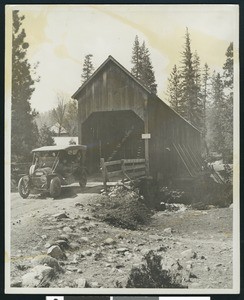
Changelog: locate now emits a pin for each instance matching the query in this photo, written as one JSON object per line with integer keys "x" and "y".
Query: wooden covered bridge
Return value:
{"x": 119, "y": 118}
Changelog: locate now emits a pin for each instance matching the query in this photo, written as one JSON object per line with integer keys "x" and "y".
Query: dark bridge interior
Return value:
{"x": 112, "y": 135}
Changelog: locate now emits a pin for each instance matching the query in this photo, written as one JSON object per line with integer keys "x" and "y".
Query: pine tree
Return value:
{"x": 190, "y": 102}
{"x": 174, "y": 89}
{"x": 147, "y": 76}
{"x": 136, "y": 59}
{"x": 142, "y": 66}
{"x": 228, "y": 81}
{"x": 218, "y": 106}
{"x": 88, "y": 68}
{"x": 45, "y": 136}
{"x": 205, "y": 97}
{"x": 198, "y": 107}
{"x": 229, "y": 69}
{"x": 24, "y": 132}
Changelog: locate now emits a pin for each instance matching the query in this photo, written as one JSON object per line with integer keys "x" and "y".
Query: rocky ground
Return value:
{"x": 59, "y": 243}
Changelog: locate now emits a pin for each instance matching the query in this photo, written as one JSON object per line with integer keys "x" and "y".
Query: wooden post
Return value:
{"x": 123, "y": 170}
{"x": 146, "y": 130}
{"x": 103, "y": 167}
{"x": 79, "y": 124}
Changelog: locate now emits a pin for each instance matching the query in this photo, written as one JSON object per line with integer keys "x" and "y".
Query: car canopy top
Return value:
{"x": 59, "y": 148}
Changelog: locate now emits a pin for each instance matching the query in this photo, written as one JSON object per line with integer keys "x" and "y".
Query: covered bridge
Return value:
{"x": 120, "y": 118}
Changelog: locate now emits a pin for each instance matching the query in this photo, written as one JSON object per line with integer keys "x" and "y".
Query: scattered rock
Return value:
{"x": 98, "y": 256}
{"x": 108, "y": 265}
{"x": 38, "y": 277}
{"x": 60, "y": 216}
{"x": 56, "y": 252}
{"x": 74, "y": 246}
{"x": 85, "y": 228}
{"x": 67, "y": 229}
{"x": 81, "y": 283}
{"x": 62, "y": 244}
{"x": 16, "y": 283}
{"x": 44, "y": 236}
{"x": 64, "y": 237}
{"x": 95, "y": 285}
{"x": 86, "y": 217}
{"x": 87, "y": 253}
{"x": 219, "y": 265}
{"x": 161, "y": 248}
{"x": 207, "y": 268}
{"x": 109, "y": 241}
{"x": 79, "y": 271}
{"x": 72, "y": 269}
{"x": 192, "y": 275}
{"x": 168, "y": 230}
{"x": 47, "y": 245}
{"x": 195, "y": 285}
{"x": 122, "y": 250}
{"x": 84, "y": 239}
{"x": 79, "y": 204}
{"x": 155, "y": 237}
{"x": 188, "y": 254}
{"x": 119, "y": 266}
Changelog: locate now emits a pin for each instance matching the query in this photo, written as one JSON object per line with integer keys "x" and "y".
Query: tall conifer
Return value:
{"x": 24, "y": 132}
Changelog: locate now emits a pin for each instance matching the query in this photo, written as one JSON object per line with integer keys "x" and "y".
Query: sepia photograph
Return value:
{"x": 122, "y": 149}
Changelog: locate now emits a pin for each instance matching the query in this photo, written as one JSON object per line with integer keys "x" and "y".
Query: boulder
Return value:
{"x": 56, "y": 252}
{"x": 109, "y": 241}
{"x": 62, "y": 244}
{"x": 188, "y": 254}
{"x": 48, "y": 261}
{"x": 39, "y": 276}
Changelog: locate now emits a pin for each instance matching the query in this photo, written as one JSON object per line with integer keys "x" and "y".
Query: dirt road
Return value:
{"x": 33, "y": 227}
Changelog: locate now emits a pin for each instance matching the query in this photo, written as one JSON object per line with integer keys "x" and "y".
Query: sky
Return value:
{"x": 61, "y": 36}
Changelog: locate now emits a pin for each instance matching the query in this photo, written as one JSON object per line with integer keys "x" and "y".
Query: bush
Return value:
{"x": 152, "y": 275}
{"x": 124, "y": 208}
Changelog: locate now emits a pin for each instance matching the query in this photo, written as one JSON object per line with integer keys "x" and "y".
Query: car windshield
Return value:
{"x": 45, "y": 158}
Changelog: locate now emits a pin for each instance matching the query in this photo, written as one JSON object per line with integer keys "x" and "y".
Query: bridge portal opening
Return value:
{"x": 112, "y": 135}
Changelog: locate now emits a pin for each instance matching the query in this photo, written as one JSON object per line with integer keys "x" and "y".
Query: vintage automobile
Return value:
{"x": 53, "y": 167}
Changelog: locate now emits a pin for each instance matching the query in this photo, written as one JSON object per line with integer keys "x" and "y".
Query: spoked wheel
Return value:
{"x": 83, "y": 179}
{"x": 55, "y": 187}
{"x": 24, "y": 187}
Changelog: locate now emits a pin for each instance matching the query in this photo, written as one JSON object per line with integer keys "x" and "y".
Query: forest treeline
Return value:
{"x": 202, "y": 96}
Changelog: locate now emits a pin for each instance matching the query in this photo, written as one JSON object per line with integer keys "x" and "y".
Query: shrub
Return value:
{"x": 123, "y": 208}
{"x": 152, "y": 275}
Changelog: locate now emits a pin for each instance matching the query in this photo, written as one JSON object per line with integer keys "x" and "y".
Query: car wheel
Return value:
{"x": 83, "y": 179}
{"x": 24, "y": 187}
{"x": 55, "y": 187}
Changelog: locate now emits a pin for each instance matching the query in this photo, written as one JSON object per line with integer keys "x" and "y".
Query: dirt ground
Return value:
{"x": 33, "y": 227}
